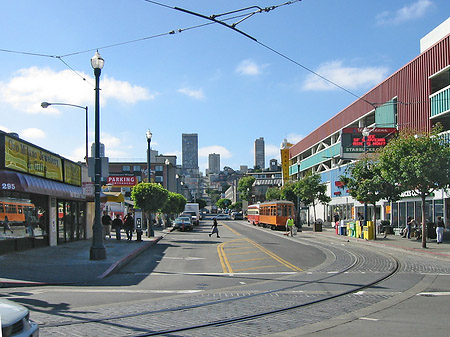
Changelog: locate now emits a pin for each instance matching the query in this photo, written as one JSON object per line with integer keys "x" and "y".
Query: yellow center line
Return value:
{"x": 247, "y": 260}
{"x": 231, "y": 229}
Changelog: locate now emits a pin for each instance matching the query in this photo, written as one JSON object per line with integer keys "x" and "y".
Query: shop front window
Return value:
{"x": 22, "y": 216}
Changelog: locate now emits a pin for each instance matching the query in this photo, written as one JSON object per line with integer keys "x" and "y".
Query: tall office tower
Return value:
{"x": 102, "y": 150}
{"x": 190, "y": 151}
{"x": 214, "y": 163}
{"x": 260, "y": 153}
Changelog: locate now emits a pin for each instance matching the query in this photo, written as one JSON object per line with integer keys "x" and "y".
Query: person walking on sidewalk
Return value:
{"x": 117, "y": 225}
{"x": 439, "y": 229}
{"x": 6, "y": 226}
{"x": 214, "y": 228}
{"x": 128, "y": 224}
{"x": 290, "y": 226}
{"x": 106, "y": 222}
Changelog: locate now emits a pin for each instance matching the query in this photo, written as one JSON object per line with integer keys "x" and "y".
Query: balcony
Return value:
{"x": 440, "y": 103}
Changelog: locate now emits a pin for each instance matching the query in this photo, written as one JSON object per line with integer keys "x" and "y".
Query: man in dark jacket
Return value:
{"x": 117, "y": 225}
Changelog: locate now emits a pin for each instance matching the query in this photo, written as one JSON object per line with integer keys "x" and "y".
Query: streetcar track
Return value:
{"x": 357, "y": 262}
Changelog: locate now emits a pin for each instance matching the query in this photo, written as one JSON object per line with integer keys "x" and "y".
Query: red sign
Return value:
{"x": 122, "y": 181}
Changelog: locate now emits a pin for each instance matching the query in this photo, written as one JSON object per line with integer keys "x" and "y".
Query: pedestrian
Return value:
{"x": 128, "y": 225}
{"x": 106, "y": 221}
{"x": 439, "y": 229}
{"x": 214, "y": 228}
{"x": 409, "y": 223}
{"x": 6, "y": 226}
{"x": 290, "y": 226}
{"x": 117, "y": 224}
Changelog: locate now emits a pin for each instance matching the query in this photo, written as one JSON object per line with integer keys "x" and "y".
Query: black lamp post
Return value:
{"x": 365, "y": 133}
{"x": 47, "y": 104}
{"x": 98, "y": 250}
{"x": 149, "y": 140}
{"x": 148, "y": 135}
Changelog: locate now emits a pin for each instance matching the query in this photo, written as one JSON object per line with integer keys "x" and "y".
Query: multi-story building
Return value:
{"x": 214, "y": 163}
{"x": 190, "y": 151}
{"x": 260, "y": 154}
{"x": 416, "y": 97}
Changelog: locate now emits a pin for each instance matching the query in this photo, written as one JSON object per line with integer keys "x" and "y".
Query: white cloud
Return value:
{"x": 347, "y": 77}
{"x": 29, "y": 87}
{"x": 197, "y": 94}
{"x": 4, "y": 129}
{"x": 250, "y": 68}
{"x": 406, "y": 13}
{"x": 32, "y": 134}
{"x": 272, "y": 151}
{"x": 294, "y": 138}
{"x": 207, "y": 150}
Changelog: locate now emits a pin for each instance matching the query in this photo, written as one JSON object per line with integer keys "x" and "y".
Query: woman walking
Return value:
{"x": 214, "y": 228}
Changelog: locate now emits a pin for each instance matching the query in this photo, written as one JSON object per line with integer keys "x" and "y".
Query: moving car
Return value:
{"x": 222, "y": 217}
{"x": 16, "y": 321}
{"x": 183, "y": 223}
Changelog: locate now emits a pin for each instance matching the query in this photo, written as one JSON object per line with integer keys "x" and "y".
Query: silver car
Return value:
{"x": 15, "y": 320}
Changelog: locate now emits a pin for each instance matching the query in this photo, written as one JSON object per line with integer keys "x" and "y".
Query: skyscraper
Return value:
{"x": 190, "y": 151}
{"x": 260, "y": 153}
{"x": 214, "y": 163}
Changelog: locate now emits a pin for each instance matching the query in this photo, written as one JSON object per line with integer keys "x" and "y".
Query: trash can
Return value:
{"x": 317, "y": 227}
{"x": 431, "y": 231}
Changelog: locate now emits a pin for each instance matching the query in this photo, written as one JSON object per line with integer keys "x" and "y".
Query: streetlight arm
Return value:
{"x": 47, "y": 104}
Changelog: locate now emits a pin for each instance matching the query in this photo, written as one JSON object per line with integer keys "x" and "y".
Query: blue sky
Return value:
{"x": 205, "y": 79}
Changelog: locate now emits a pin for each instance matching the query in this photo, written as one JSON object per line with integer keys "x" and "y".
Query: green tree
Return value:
{"x": 150, "y": 197}
{"x": 213, "y": 194}
{"x": 237, "y": 206}
{"x": 273, "y": 193}
{"x": 175, "y": 204}
{"x": 366, "y": 184}
{"x": 311, "y": 191}
{"x": 288, "y": 193}
{"x": 419, "y": 164}
{"x": 245, "y": 185}
{"x": 223, "y": 203}
{"x": 201, "y": 203}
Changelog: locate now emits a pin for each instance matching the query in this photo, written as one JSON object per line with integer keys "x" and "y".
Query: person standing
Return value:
{"x": 439, "y": 229}
{"x": 117, "y": 225}
{"x": 6, "y": 226}
{"x": 290, "y": 226}
{"x": 128, "y": 224}
{"x": 106, "y": 221}
{"x": 214, "y": 228}
{"x": 409, "y": 223}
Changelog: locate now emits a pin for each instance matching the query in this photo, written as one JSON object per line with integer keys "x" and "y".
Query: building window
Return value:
{"x": 158, "y": 179}
{"x": 126, "y": 168}
{"x": 137, "y": 168}
{"x": 440, "y": 80}
{"x": 158, "y": 168}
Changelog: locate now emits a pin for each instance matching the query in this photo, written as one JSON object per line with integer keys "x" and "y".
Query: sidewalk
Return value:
{"x": 69, "y": 263}
{"x": 394, "y": 241}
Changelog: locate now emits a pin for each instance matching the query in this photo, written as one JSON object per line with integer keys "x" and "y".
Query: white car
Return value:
{"x": 222, "y": 217}
{"x": 15, "y": 320}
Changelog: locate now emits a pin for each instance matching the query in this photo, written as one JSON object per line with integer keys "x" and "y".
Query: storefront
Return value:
{"x": 41, "y": 199}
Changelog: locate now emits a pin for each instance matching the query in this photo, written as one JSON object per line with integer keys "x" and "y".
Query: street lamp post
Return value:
{"x": 98, "y": 250}
{"x": 167, "y": 162}
{"x": 148, "y": 135}
{"x": 47, "y": 104}
{"x": 365, "y": 133}
{"x": 149, "y": 139}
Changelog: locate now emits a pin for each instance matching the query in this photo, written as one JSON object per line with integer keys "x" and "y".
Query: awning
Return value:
{"x": 111, "y": 196}
{"x": 16, "y": 181}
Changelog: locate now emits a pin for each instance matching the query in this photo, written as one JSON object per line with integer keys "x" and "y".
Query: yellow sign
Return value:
{"x": 26, "y": 158}
{"x": 72, "y": 173}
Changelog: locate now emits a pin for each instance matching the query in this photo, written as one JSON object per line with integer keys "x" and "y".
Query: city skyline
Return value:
{"x": 174, "y": 73}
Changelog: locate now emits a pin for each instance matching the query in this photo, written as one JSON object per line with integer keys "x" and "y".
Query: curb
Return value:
{"x": 115, "y": 267}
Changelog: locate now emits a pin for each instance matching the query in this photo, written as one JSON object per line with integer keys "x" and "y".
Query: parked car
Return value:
{"x": 183, "y": 223}
{"x": 16, "y": 321}
{"x": 237, "y": 216}
{"x": 222, "y": 217}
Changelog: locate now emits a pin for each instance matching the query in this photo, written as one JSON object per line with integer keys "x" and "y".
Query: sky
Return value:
{"x": 173, "y": 72}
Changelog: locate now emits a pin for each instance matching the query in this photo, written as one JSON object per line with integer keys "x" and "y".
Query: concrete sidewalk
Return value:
{"x": 69, "y": 263}
{"x": 394, "y": 241}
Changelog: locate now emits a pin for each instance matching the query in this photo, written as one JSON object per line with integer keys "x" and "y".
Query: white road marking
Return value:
{"x": 436, "y": 293}
{"x": 369, "y": 319}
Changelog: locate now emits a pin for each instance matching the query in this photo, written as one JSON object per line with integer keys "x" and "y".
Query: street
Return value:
{"x": 268, "y": 282}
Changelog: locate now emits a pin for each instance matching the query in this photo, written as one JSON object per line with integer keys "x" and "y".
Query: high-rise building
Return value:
{"x": 214, "y": 163}
{"x": 190, "y": 151}
{"x": 259, "y": 153}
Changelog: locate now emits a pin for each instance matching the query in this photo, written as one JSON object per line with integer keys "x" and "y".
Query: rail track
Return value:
{"x": 333, "y": 284}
